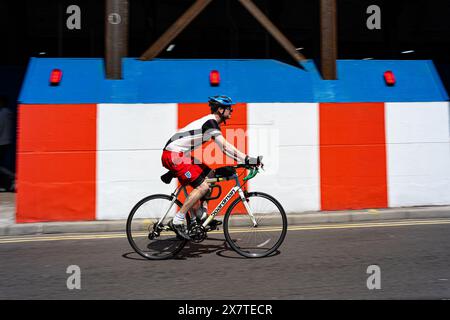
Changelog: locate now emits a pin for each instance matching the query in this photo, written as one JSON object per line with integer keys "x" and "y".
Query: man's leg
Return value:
{"x": 202, "y": 210}
{"x": 191, "y": 200}
{"x": 195, "y": 176}
{"x": 194, "y": 200}
{"x": 194, "y": 197}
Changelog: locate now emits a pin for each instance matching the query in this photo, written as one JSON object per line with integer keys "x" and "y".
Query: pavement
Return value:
{"x": 9, "y": 227}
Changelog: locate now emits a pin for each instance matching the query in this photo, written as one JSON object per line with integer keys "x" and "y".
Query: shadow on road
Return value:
{"x": 231, "y": 254}
{"x": 197, "y": 250}
{"x": 191, "y": 250}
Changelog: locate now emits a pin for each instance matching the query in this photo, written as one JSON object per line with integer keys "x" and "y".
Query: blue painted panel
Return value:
{"x": 169, "y": 81}
{"x": 81, "y": 81}
{"x": 416, "y": 81}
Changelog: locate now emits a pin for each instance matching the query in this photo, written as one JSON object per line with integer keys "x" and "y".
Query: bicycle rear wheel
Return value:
{"x": 146, "y": 237}
{"x": 262, "y": 239}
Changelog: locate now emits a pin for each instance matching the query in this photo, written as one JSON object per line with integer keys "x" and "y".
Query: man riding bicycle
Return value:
{"x": 177, "y": 157}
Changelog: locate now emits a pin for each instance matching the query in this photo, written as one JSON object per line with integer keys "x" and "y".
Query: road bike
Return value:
{"x": 254, "y": 224}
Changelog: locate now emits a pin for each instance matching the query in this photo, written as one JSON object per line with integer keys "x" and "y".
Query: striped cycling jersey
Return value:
{"x": 194, "y": 134}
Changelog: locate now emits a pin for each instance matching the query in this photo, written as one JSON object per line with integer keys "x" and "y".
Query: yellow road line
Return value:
{"x": 5, "y": 240}
{"x": 353, "y": 225}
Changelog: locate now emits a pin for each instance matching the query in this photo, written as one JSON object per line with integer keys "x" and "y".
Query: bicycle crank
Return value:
{"x": 198, "y": 233}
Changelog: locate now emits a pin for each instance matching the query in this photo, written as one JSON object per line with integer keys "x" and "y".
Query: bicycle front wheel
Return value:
{"x": 256, "y": 228}
{"x": 148, "y": 236}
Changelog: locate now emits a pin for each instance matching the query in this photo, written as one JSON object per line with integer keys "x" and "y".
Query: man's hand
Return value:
{"x": 254, "y": 161}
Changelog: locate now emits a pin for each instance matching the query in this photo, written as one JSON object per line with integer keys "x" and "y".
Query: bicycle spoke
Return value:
{"x": 263, "y": 239}
{"x": 149, "y": 239}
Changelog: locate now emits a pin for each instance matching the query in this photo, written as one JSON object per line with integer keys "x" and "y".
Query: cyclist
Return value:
{"x": 177, "y": 157}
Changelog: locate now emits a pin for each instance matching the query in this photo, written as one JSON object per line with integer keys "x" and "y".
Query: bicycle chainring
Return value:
{"x": 198, "y": 233}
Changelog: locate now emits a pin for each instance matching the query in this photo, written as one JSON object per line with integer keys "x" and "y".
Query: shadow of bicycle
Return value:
{"x": 194, "y": 250}
{"x": 197, "y": 250}
{"x": 190, "y": 251}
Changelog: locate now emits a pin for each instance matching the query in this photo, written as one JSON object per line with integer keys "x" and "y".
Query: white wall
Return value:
{"x": 287, "y": 135}
{"x": 130, "y": 139}
{"x": 418, "y": 153}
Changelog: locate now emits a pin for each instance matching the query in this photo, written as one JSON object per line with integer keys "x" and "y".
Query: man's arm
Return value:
{"x": 230, "y": 150}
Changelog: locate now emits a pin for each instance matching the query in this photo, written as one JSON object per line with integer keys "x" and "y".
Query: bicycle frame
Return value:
{"x": 237, "y": 188}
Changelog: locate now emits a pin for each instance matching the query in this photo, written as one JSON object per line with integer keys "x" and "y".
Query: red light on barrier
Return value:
{"x": 214, "y": 78}
{"x": 389, "y": 78}
{"x": 55, "y": 77}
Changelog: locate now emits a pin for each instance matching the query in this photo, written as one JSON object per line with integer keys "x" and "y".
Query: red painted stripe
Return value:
{"x": 352, "y": 156}
{"x": 56, "y": 163}
{"x": 188, "y": 112}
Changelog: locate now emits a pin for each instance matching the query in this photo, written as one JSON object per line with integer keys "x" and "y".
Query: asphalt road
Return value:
{"x": 315, "y": 262}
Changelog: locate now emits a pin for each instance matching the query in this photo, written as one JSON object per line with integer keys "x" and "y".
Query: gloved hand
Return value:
{"x": 254, "y": 161}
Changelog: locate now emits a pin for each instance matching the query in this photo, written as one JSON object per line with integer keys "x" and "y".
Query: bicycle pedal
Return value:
{"x": 214, "y": 225}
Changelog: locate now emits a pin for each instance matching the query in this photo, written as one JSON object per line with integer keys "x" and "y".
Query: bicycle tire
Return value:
{"x": 175, "y": 244}
{"x": 237, "y": 225}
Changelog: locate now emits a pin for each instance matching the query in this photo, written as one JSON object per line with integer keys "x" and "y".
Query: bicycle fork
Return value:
{"x": 247, "y": 207}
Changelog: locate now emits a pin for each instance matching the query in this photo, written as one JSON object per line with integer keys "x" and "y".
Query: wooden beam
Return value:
{"x": 328, "y": 39}
{"x": 273, "y": 30}
{"x": 175, "y": 29}
{"x": 116, "y": 37}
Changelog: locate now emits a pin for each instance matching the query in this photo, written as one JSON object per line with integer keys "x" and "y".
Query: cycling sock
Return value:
{"x": 179, "y": 218}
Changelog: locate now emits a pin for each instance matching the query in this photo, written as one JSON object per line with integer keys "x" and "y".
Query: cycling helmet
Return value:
{"x": 216, "y": 102}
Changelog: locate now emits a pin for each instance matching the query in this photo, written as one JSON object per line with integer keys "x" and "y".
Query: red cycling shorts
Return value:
{"x": 185, "y": 168}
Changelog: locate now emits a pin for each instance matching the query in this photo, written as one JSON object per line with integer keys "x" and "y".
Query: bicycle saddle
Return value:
{"x": 167, "y": 177}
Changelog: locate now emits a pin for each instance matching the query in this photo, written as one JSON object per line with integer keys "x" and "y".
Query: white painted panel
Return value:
{"x": 416, "y": 122}
{"x": 130, "y": 140}
{"x": 418, "y": 152}
{"x": 297, "y": 122}
{"x": 135, "y": 126}
{"x": 124, "y": 178}
{"x": 418, "y": 174}
{"x": 286, "y": 134}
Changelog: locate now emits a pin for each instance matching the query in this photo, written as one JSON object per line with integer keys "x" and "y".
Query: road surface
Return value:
{"x": 408, "y": 259}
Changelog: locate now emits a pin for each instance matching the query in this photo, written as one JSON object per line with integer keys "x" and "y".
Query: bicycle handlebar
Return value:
{"x": 254, "y": 170}
{"x": 248, "y": 166}
{"x": 252, "y": 174}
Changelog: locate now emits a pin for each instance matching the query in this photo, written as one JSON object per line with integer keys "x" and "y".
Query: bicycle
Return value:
{"x": 254, "y": 224}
